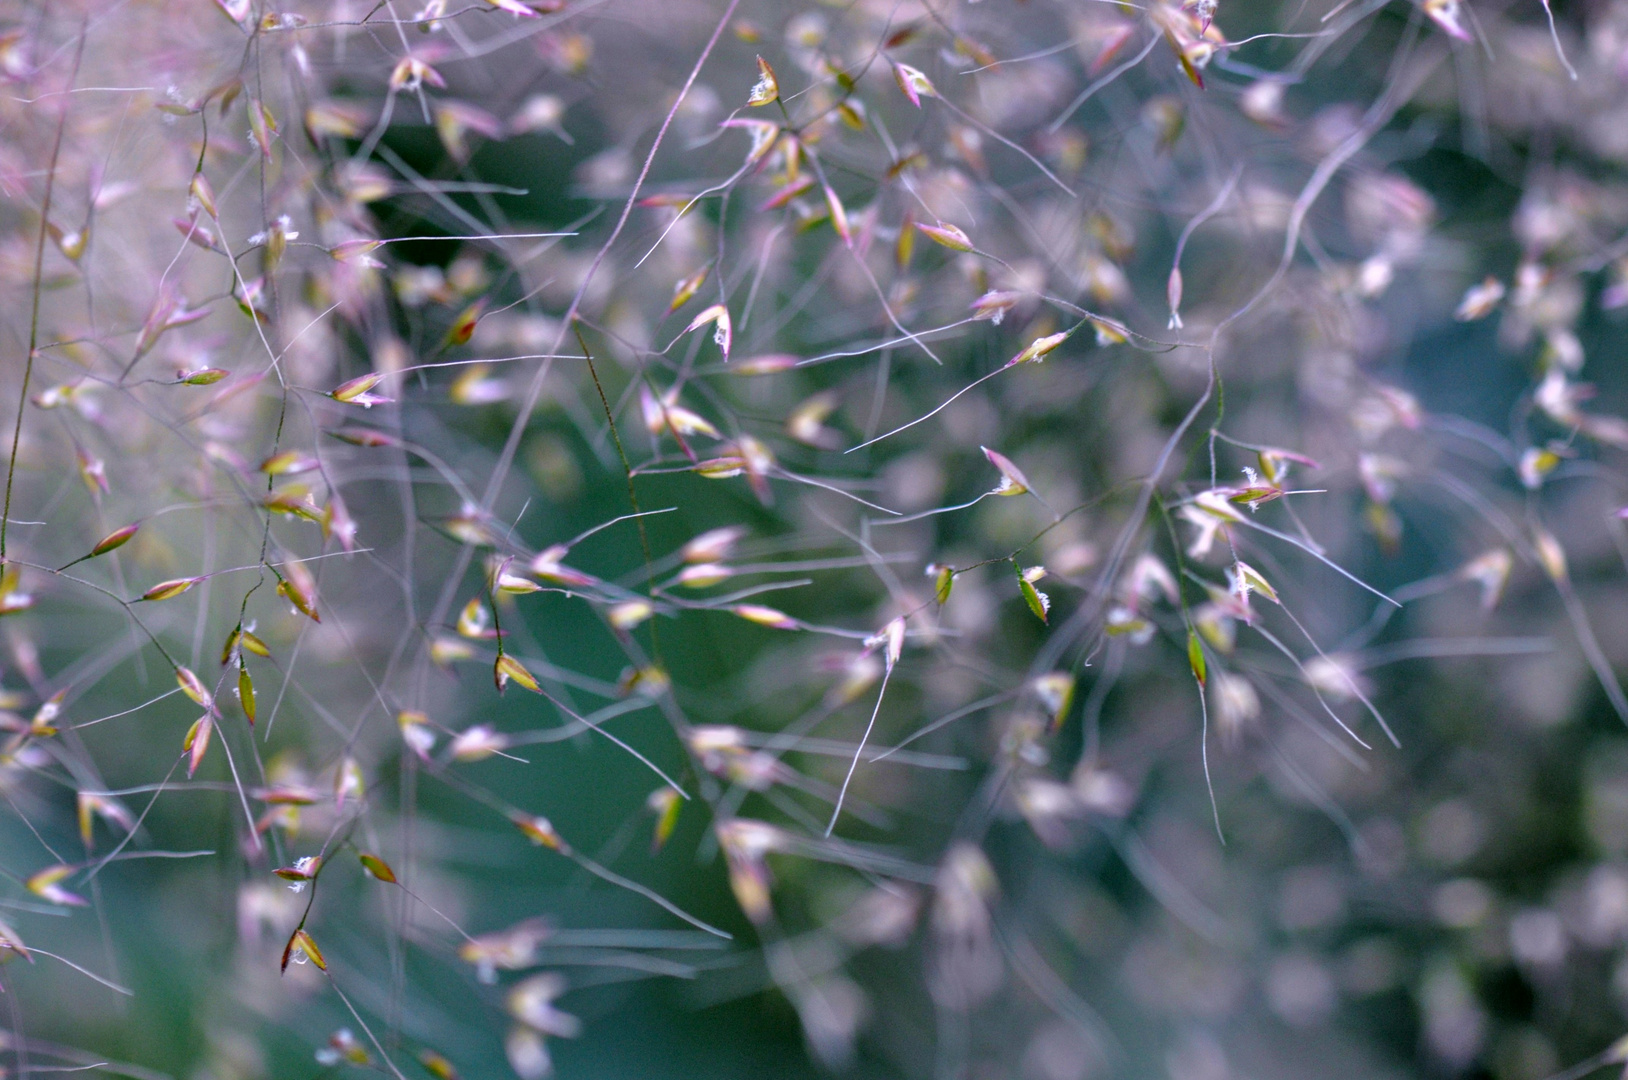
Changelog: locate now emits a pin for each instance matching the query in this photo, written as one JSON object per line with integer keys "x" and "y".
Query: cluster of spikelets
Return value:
{"x": 1029, "y": 383}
